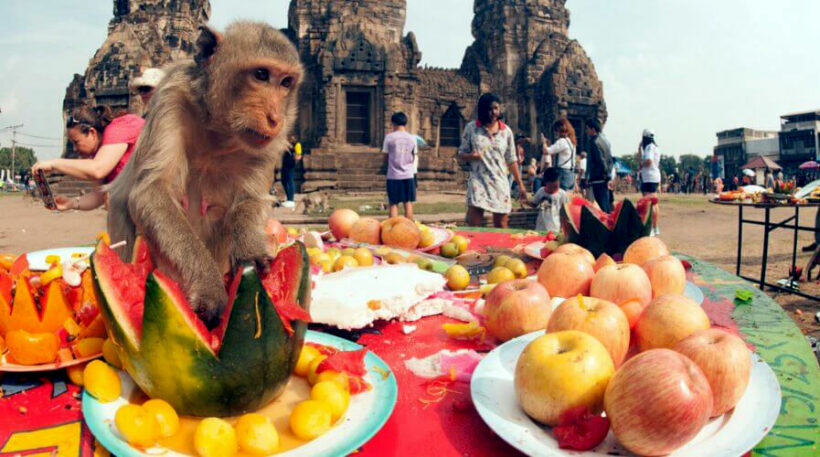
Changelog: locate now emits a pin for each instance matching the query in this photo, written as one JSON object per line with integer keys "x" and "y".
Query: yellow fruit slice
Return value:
{"x": 306, "y": 356}
{"x": 311, "y": 374}
{"x": 310, "y": 419}
{"x": 102, "y": 381}
{"x": 165, "y": 415}
{"x": 333, "y": 395}
{"x": 75, "y": 374}
{"x": 137, "y": 425}
{"x": 215, "y": 438}
{"x": 256, "y": 435}
{"x": 110, "y": 354}
{"x": 89, "y": 346}
{"x": 51, "y": 275}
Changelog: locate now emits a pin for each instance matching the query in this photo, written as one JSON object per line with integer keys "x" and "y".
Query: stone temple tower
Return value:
{"x": 522, "y": 52}
{"x": 142, "y": 34}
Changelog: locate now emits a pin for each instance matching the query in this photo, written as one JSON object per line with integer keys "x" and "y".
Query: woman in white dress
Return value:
{"x": 650, "y": 159}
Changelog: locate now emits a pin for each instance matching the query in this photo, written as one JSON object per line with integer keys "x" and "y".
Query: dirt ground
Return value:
{"x": 689, "y": 224}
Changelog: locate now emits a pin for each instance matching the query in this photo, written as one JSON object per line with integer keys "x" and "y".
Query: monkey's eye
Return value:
{"x": 287, "y": 82}
{"x": 261, "y": 74}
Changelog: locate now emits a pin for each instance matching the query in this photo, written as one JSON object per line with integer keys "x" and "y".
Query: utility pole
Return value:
{"x": 13, "y": 129}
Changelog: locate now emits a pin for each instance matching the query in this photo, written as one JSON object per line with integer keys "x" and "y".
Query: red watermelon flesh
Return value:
{"x": 578, "y": 203}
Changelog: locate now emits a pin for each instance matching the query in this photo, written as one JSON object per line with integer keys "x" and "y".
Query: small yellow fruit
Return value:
{"x": 110, "y": 354}
{"x": 314, "y": 364}
{"x": 313, "y": 251}
{"x": 51, "y": 275}
{"x": 394, "y": 258}
{"x": 501, "y": 260}
{"x": 306, "y": 355}
{"x": 333, "y": 376}
{"x": 457, "y": 277}
{"x": 382, "y": 251}
{"x": 215, "y": 438}
{"x": 348, "y": 251}
{"x": 320, "y": 257}
{"x": 256, "y": 435}
{"x": 102, "y": 381}
{"x": 137, "y": 425}
{"x": 89, "y": 346}
{"x": 166, "y": 416}
{"x": 327, "y": 266}
{"x": 293, "y": 231}
{"x": 363, "y": 256}
{"x": 334, "y": 253}
{"x": 500, "y": 274}
{"x": 310, "y": 419}
{"x": 461, "y": 243}
{"x": 53, "y": 259}
{"x": 449, "y": 250}
{"x": 333, "y": 395}
{"x": 344, "y": 262}
{"x": 75, "y": 374}
{"x": 427, "y": 239}
{"x": 518, "y": 267}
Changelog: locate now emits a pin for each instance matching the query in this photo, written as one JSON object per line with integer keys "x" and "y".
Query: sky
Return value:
{"x": 684, "y": 68}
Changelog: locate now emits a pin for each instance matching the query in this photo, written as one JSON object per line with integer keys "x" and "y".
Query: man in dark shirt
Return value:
{"x": 599, "y": 164}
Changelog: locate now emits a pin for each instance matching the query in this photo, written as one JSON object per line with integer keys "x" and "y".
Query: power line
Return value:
{"x": 40, "y": 137}
{"x": 39, "y": 145}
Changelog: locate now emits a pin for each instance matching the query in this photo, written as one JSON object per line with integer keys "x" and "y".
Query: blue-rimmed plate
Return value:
{"x": 365, "y": 416}
{"x": 37, "y": 259}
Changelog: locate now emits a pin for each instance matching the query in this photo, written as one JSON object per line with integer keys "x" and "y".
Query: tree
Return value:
{"x": 631, "y": 161}
{"x": 668, "y": 165}
{"x": 24, "y": 158}
{"x": 690, "y": 161}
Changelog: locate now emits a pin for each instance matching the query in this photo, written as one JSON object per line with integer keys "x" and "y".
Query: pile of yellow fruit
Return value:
{"x": 335, "y": 259}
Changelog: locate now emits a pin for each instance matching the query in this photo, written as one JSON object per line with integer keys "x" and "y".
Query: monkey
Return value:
{"x": 196, "y": 187}
{"x": 316, "y": 200}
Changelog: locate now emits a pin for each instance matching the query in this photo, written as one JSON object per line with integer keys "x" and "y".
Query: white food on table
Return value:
{"x": 356, "y": 297}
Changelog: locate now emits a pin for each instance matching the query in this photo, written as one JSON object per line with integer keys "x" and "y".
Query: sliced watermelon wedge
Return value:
{"x": 583, "y": 223}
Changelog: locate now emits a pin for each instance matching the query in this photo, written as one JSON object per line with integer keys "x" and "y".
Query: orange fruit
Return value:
{"x": 457, "y": 277}
{"x": 256, "y": 435}
{"x": 306, "y": 355}
{"x": 165, "y": 415}
{"x": 137, "y": 425}
{"x": 333, "y": 395}
{"x": 215, "y": 438}
{"x": 310, "y": 419}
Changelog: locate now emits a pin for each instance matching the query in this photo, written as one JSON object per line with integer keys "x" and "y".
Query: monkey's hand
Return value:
{"x": 208, "y": 300}
{"x": 250, "y": 243}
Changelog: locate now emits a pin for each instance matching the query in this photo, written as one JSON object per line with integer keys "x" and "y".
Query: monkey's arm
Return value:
{"x": 247, "y": 223}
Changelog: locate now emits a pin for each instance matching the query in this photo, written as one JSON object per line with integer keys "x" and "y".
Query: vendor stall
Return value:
{"x": 40, "y": 413}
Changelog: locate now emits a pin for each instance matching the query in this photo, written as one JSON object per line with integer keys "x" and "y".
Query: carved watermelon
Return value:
{"x": 585, "y": 224}
{"x": 240, "y": 366}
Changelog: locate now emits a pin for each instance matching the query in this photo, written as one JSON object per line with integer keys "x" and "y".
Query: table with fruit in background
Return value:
{"x": 40, "y": 413}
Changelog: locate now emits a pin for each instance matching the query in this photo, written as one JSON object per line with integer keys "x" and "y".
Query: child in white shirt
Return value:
{"x": 549, "y": 199}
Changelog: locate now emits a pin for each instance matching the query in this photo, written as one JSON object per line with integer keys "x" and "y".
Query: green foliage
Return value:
{"x": 631, "y": 161}
{"x": 668, "y": 165}
{"x": 24, "y": 158}
{"x": 690, "y": 161}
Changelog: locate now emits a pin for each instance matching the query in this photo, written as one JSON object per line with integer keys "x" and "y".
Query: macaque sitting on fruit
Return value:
{"x": 197, "y": 184}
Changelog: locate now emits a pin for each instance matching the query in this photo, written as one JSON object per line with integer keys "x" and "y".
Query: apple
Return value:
{"x": 600, "y": 318}
{"x": 667, "y": 320}
{"x": 604, "y": 260}
{"x": 275, "y": 232}
{"x": 619, "y": 283}
{"x": 366, "y": 230}
{"x": 726, "y": 362}
{"x": 565, "y": 275}
{"x": 341, "y": 221}
{"x": 560, "y": 371}
{"x": 571, "y": 248}
{"x": 400, "y": 232}
{"x": 645, "y": 249}
{"x": 666, "y": 274}
{"x": 516, "y": 307}
{"x": 657, "y": 402}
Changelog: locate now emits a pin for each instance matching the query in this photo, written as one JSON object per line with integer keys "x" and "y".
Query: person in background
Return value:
{"x": 488, "y": 146}
{"x": 549, "y": 199}
{"x": 718, "y": 185}
{"x": 146, "y": 84}
{"x": 532, "y": 178}
{"x": 400, "y": 150}
{"x": 105, "y": 141}
{"x": 564, "y": 152}
{"x": 600, "y": 165}
{"x": 650, "y": 172}
{"x": 288, "y": 171}
{"x": 769, "y": 179}
{"x": 581, "y": 171}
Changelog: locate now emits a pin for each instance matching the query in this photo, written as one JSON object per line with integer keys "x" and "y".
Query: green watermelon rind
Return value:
{"x": 596, "y": 237}
{"x": 254, "y": 362}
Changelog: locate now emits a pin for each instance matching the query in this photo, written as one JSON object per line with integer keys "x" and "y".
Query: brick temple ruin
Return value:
{"x": 361, "y": 68}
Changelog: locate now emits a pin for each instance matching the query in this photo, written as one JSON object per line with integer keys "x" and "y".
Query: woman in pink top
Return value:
{"x": 105, "y": 142}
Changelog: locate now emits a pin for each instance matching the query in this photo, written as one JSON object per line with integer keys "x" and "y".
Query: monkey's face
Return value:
{"x": 267, "y": 89}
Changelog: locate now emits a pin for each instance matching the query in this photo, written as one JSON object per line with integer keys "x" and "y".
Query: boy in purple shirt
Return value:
{"x": 400, "y": 148}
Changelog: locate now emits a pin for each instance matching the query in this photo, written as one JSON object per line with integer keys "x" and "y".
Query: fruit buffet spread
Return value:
{"x": 623, "y": 356}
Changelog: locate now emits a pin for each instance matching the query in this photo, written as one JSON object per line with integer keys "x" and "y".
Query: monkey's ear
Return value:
{"x": 206, "y": 44}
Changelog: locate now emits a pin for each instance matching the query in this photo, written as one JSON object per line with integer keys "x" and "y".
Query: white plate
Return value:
{"x": 365, "y": 416}
{"x": 13, "y": 367}
{"x": 730, "y": 435}
{"x": 37, "y": 259}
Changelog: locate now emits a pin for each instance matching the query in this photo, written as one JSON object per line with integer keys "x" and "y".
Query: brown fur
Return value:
{"x": 195, "y": 148}
{"x": 317, "y": 201}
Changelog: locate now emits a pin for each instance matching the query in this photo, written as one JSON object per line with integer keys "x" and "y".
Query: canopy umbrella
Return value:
{"x": 621, "y": 168}
{"x": 762, "y": 162}
{"x": 810, "y": 165}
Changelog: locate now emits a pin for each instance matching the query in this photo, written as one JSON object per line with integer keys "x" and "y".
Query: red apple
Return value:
{"x": 516, "y": 307}
{"x": 400, "y": 232}
{"x": 571, "y": 248}
{"x": 600, "y": 318}
{"x": 366, "y": 230}
{"x": 645, "y": 249}
{"x": 657, "y": 402}
{"x": 667, "y": 320}
{"x": 726, "y": 362}
{"x": 341, "y": 221}
{"x": 565, "y": 275}
{"x": 666, "y": 274}
{"x": 560, "y": 371}
{"x": 619, "y": 283}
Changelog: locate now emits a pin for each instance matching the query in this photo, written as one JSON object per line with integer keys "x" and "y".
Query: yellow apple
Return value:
{"x": 600, "y": 318}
